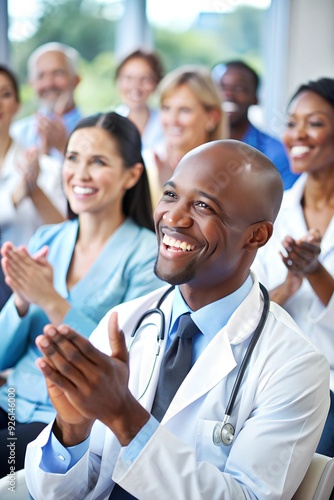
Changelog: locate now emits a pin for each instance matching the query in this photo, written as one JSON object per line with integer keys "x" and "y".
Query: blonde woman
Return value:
{"x": 191, "y": 115}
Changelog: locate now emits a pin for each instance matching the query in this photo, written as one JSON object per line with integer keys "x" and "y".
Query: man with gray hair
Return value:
{"x": 53, "y": 74}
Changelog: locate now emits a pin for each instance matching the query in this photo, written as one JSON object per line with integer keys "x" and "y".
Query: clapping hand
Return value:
{"x": 302, "y": 255}
{"x": 301, "y": 259}
{"x": 165, "y": 168}
{"x": 28, "y": 165}
{"x": 30, "y": 277}
{"x": 85, "y": 384}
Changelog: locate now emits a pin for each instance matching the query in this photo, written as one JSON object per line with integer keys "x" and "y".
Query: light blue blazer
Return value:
{"x": 123, "y": 271}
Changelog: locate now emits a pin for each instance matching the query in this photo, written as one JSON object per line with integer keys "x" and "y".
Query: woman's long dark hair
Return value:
{"x": 137, "y": 200}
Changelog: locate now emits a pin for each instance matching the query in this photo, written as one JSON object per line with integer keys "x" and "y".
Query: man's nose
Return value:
{"x": 178, "y": 216}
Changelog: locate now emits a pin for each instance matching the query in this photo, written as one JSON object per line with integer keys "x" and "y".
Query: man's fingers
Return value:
{"x": 116, "y": 339}
{"x": 54, "y": 377}
{"x": 83, "y": 345}
{"x": 75, "y": 349}
{"x": 63, "y": 356}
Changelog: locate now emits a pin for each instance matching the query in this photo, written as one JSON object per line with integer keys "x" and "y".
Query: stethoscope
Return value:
{"x": 223, "y": 432}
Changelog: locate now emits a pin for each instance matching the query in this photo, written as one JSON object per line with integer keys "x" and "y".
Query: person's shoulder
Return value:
{"x": 48, "y": 232}
{"x": 268, "y": 139}
{"x": 147, "y": 233}
{"x": 293, "y": 196}
{"x": 288, "y": 336}
{"x": 145, "y": 240}
{"x": 21, "y": 125}
{"x": 128, "y": 314}
{"x": 132, "y": 227}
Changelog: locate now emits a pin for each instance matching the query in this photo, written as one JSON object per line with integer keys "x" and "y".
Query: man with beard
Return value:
{"x": 117, "y": 434}
{"x": 239, "y": 83}
{"x": 53, "y": 75}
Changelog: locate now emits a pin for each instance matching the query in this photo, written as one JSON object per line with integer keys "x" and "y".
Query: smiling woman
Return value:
{"x": 297, "y": 265}
{"x": 76, "y": 271}
{"x": 191, "y": 115}
{"x": 137, "y": 77}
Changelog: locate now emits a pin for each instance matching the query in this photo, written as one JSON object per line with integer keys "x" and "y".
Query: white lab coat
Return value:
{"x": 310, "y": 314}
{"x": 278, "y": 416}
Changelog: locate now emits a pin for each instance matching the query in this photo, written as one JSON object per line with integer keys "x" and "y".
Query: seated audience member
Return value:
{"x": 76, "y": 271}
{"x": 137, "y": 77}
{"x": 239, "y": 85}
{"x": 298, "y": 263}
{"x": 191, "y": 115}
{"x": 138, "y": 426}
{"x": 53, "y": 75}
{"x": 30, "y": 193}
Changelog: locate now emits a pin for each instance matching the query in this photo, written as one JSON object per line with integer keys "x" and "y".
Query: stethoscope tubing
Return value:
{"x": 250, "y": 349}
{"x": 220, "y": 426}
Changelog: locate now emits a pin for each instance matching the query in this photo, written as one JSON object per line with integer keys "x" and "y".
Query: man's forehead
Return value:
{"x": 213, "y": 170}
{"x": 215, "y": 158}
{"x": 51, "y": 58}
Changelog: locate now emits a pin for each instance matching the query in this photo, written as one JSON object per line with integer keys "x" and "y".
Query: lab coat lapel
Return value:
{"x": 217, "y": 360}
{"x": 214, "y": 364}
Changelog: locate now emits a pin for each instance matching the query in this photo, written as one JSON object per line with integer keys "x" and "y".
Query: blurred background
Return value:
{"x": 286, "y": 41}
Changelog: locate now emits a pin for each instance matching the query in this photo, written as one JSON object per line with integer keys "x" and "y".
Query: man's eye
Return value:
{"x": 168, "y": 195}
{"x": 316, "y": 123}
{"x": 203, "y": 205}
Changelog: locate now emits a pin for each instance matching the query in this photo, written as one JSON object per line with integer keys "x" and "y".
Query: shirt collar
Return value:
{"x": 219, "y": 311}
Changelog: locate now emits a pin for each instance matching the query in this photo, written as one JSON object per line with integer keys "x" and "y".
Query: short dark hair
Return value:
{"x": 13, "y": 80}
{"x": 220, "y": 68}
{"x": 151, "y": 58}
{"x": 137, "y": 200}
{"x": 324, "y": 87}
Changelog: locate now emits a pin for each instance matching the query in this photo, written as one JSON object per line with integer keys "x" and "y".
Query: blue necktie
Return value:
{"x": 175, "y": 365}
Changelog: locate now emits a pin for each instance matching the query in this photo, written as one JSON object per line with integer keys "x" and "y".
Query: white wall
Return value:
{"x": 299, "y": 46}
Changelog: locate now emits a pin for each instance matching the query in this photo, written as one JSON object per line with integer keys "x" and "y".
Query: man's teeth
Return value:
{"x": 83, "y": 190}
{"x": 182, "y": 245}
{"x": 299, "y": 150}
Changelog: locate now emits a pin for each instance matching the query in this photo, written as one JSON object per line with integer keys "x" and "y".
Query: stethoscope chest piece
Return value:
{"x": 223, "y": 433}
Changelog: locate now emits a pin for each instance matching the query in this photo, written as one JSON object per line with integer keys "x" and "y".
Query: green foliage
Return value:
{"x": 96, "y": 91}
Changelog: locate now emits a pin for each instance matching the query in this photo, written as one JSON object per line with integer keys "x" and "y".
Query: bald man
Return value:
{"x": 53, "y": 75}
{"x": 217, "y": 210}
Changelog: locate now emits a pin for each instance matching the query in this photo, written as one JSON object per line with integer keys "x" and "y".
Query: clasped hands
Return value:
{"x": 301, "y": 260}
{"x": 85, "y": 384}
{"x": 30, "y": 277}
{"x": 302, "y": 255}
{"x": 28, "y": 166}
{"x": 52, "y": 132}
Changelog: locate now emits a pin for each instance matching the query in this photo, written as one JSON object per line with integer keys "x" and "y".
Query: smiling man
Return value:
{"x": 239, "y": 84}
{"x": 53, "y": 75}
{"x": 117, "y": 432}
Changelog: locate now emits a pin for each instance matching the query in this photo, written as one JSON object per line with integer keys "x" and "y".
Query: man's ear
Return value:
{"x": 76, "y": 80}
{"x": 259, "y": 235}
{"x": 255, "y": 100}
